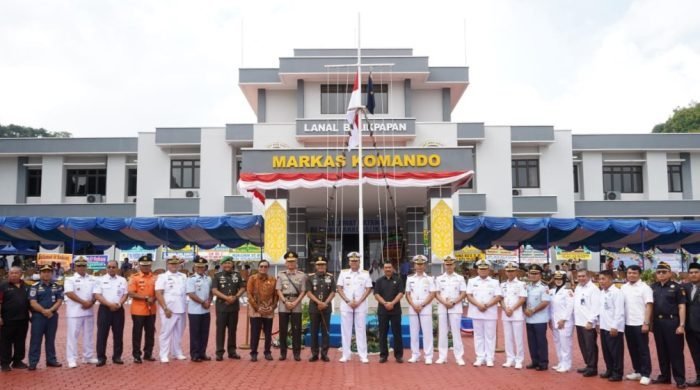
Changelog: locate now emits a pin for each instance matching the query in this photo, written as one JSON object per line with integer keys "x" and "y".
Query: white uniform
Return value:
{"x": 450, "y": 287}
{"x": 354, "y": 285}
{"x": 174, "y": 287}
{"x": 514, "y": 326}
{"x": 484, "y": 290}
{"x": 420, "y": 288}
{"x": 561, "y": 307}
{"x": 80, "y": 320}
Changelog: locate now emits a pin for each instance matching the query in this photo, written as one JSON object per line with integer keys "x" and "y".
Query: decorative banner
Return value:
{"x": 470, "y": 253}
{"x": 275, "y": 230}
{"x": 95, "y": 262}
{"x": 64, "y": 259}
{"x": 626, "y": 258}
{"x": 580, "y": 254}
{"x": 247, "y": 252}
{"x": 441, "y": 229}
{"x": 531, "y": 255}
{"x": 187, "y": 253}
{"x": 135, "y": 253}
{"x": 498, "y": 255}
{"x": 673, "y": 259}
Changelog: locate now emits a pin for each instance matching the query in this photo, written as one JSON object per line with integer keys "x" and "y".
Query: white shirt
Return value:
{"x": 354, "y": 285}
{"x": 612, "y": 309}
{"x": 561, "y": 306}
{"x": 84, "y": 288}
{"x": 483, "y": 291}
{"x": 420, "y": 288}
{"x": 512, "y": 292}
{"x": 586, "y": 304}
{"x": 173, "y": 285}
{"x": 637, "y": 296}
{"x": 112, "y": 288}
{"x": 450, "y": 287}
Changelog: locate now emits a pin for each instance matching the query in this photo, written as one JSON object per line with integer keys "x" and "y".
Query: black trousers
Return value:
{"x": 613, "y": 352}
{"x": 226, "y": 323}
{"x": 320, "y": 321}
{"x": 589, "y": 347}
{"x": 147, "y": 325}
{"x": 295, "y": 320}
{"x": 693, "y": 339}
{"x": 638, "y": 346}
{"x": 258, "y": 324}
{"x": 537, "y": 344}
{"x": 199, "y": 334}
{"x": 393, "y": 320}
{"x": 13, "y": 338}
{"x": 43, "y": 328}
{"x": 669, "y": 349}
{"x": 107, "y": 319}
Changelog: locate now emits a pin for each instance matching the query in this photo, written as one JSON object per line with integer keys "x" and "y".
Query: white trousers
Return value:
{"x": 563, "y": 339}
{"x": 454, "y": 326}
{"x": 513, "y": 333}
{"x": 171, "y": 331}
{"x": 425, "y": 324}
{"x": 346, "y": 326}
{"x": 76, "y": 326}
{"x": 484, "y": 339}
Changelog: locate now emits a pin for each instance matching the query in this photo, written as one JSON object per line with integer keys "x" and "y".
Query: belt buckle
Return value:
{"x": 661, "y": 317}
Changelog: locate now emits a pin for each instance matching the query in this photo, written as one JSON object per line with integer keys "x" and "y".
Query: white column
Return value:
{"x": 216, "y": 171}
{"x": 592, "y": 175}
{"x": 656, "y": 176}
{"x": 116, "y": 178}
{"x": 153, "y": 180}
{"x": 557, "y": 173}
{"x": 695, "y": 174}
{"x": 493, "y": 172}
{"x": 8, "y": 178}
{"x": 52, "y": 180}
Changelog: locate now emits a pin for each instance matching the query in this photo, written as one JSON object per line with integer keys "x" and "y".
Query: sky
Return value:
{"x": 100, "y": 68}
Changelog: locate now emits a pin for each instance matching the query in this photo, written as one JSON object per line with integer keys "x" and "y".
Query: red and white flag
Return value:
{"x": 353, "y": 114}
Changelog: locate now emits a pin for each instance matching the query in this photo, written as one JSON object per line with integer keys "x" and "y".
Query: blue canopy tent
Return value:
{"x": 569, "y": 233}
{"x": 125, "y": 233}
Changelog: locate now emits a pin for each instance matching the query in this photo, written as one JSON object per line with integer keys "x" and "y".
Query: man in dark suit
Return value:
{"x": 692, "y": 328}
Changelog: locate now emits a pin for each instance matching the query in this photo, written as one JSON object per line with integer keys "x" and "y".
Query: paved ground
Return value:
{"x": 289, "y": 374}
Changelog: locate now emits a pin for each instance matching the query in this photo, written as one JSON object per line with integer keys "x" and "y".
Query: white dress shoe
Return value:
{"x": 507, "y": 364}
{"x": 412, "y": 360}
{"x": 428, "y": 361}
{"x": 343, "y": 359}
{"x": 460, "y": 362}
{"x": 478, "y": 363}
{"x": 634, "y": 376}
{"x": 518, "y": 366}
{"x": 489, "y": 363}
{"x": 645, "y": 381}
{"x": 181, "y": 357}
{"x": 440, "y": 361}
{"x": 72, "y": 364}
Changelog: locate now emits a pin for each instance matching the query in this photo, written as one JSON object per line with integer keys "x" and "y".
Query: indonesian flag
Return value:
{"x": 353, "y": 115}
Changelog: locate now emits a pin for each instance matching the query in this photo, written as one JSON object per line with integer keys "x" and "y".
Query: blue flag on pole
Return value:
{"x": 370, "y": 95}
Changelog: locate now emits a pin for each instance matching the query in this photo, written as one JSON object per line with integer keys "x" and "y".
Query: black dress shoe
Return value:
{"x": 100, "y": 363}
{"x": 541, "y": 368}
{"x": 138, "y": 360}
{"x": 325, "y": 358}
{"x": 581, "y": 370}
{"x": 219, "y": 358}
{"x": 54, "y": 364}
{"x": 660, "y": 381}
{"x": 399, "y": 360}
{"x": 268, "y": 356}
{"x": 197, "y": 360}
{"x": 282, "y": 357}
{"x": 382, "y": 360}
{"x": 615, "y": 379}
{"x": 234, "y": 356}
{"x": 19, "y": 366}
{"x": 313, "y": 358}
{"x": 590, "y": 373}
{"x": 253, "y": 358}
{"x": 149, "y": 359}
{"x": 117, "y": 361}
{"x": 297, "y": 358}
{"x": 681, "y": 386}
{"x": 206, "y": 358}
{"x": 531, "y": 366}
{"x": 605, "y": 375}
{"x": 31, "y": 367}
{"x": 5, "y": 368}
{"x": 691, "y": 384}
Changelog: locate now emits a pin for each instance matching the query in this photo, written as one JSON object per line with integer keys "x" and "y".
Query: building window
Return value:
{"x": 575, "y": 178}
{"x": 81, "y": 182}
{"x": 34, "y": 182}
{"x": 526, "y": 173}
{"x": 335, "y": 98}
{"x": 184, "y": 174}
{"x": 675, "y": 178}
{"x": 623, "y": 178}
{"x": 131, "y": 182}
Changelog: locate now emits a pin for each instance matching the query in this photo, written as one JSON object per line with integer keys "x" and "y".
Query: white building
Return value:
{"x": 300, "y": 106}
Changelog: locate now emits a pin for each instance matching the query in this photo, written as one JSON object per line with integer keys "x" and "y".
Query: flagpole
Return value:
{"x": 361, "y": 216}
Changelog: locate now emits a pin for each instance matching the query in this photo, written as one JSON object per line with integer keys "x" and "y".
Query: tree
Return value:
{"x": 683, "y": 120}
{"x": 16, "y": 131}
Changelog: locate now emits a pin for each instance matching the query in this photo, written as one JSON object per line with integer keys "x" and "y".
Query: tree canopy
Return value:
{"x": 683, "y": 120}
{"x": 16, "y": 131}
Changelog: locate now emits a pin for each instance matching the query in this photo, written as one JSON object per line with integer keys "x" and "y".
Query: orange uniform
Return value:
{"x": 142, "y": 284}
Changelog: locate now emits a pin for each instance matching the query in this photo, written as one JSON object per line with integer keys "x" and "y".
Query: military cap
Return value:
{"x": 419, "y": 259}
{"x": 448, "y": 260}
{"x": 559, "y": 275}
{"x": 80, "y": 261}
{"x": 200, "y": 262}
{"x": 694, "y": 266}
{"x": 663, "y": 266}
{"x": 173, "y": 260}
{"x": 291, "y": 256}
{"x": 354, "y": 254}
{"x": 227, "y": 259}
{"x": 321, "y": 260}
{"x": 534, "y": 268}
{"x": 145, "y": 260}
{"x": 46, "y": 267}
{"x": 511, "y": 266}
{"x": 483, "y": 264}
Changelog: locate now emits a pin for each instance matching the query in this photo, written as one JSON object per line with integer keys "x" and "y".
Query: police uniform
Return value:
{"x": 229, "y": 284}
{"x": 536, "y": 322}
{"x": 450, "y": 287}
{"x": 112, "y": 290}
{"x": 80, "y": 321}
{"x": 322, "y": 287}
{"x": 420, "y": 290}
{"x": 482, "y": 291}
{"x": 514, "y": 325}
{"x": 199, "y": 287}
{"x": 353, "y": 285}
{"x": 48, "y": 295}
{"x": 561, "y": 309}
{"x": 586, "y": 306}
{"x": 173, "y": 287}
{"x": 14, "y": 300}
{"x": 692, "y": 322}
{"x": 668, "y": 298}
{"x": 142, "y": 289}
{"x": 291, "y": 285}
{"x": 612, "y": 316}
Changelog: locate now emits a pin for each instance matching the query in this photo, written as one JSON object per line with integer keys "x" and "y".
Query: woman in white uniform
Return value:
{"x": 562, "y": 320}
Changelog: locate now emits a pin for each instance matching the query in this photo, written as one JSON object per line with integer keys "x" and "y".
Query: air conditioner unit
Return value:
{"x": 516, "y": 192}
{"x": 613, "y": 195}
{"x": 94, "y": 198}
{"x": 192, "y": 194}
